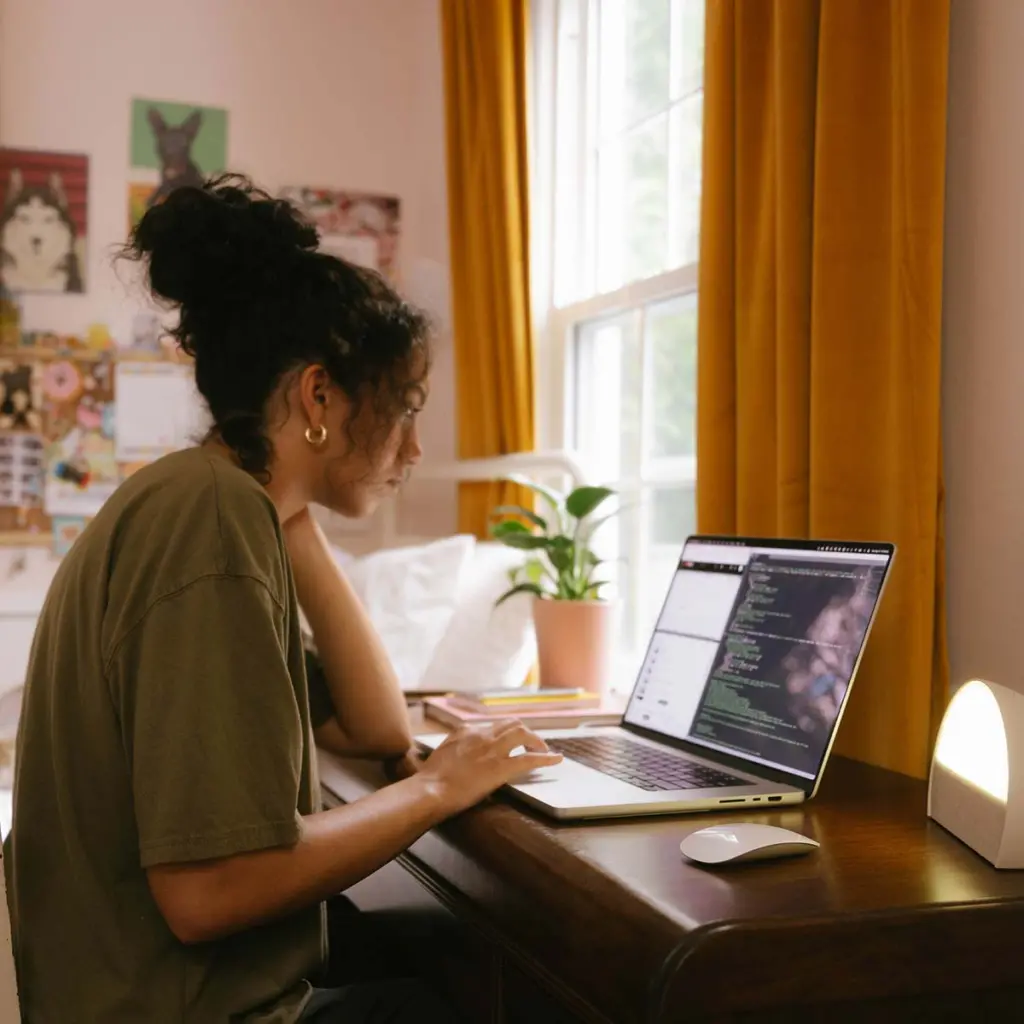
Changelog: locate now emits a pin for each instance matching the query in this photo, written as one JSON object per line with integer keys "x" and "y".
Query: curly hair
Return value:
{"x": 258, "y": 300}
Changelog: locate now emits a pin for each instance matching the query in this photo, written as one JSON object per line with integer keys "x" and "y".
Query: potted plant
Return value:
{"x": 575, "y": 625}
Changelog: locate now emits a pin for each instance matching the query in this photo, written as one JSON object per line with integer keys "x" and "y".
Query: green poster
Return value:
{"x": 163, "y": 132}
{"x": 172, "y": 144}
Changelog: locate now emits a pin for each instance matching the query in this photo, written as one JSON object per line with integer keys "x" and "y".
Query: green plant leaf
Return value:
{"x": 524, "y": 540}
{"x": 520, "y": 588}
{"x": 560, "y": 552}
{"x": 534, "y": 570}
{"x": 584, "y": 500}
{"x": 593, "y": 588}
{"x": 508, "y": 527}
{"x": 525, "y": 513}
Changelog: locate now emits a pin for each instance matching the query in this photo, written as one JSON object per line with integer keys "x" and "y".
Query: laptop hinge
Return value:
{"x": 739, "y": 764}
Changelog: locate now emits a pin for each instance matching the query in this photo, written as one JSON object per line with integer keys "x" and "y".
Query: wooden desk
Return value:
{"x": 892, "y": 920}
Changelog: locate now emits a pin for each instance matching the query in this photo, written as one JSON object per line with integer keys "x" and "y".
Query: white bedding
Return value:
{"x": 433, "y": 605}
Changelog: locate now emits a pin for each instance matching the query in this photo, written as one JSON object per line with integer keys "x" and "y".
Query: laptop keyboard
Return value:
{"x": 641, "y": 765}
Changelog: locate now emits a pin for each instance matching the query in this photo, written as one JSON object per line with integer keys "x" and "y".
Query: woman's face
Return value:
{"x": 368, "y": 454}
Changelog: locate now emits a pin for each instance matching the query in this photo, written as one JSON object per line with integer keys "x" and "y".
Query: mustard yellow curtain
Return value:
{"x": 820, "y": 294}
{"x": 485, "y": 89}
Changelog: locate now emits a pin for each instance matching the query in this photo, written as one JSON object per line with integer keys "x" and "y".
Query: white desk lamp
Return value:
{"x": 976, "y": 789}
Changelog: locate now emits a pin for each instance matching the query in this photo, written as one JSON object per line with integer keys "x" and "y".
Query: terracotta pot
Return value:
{"x": 575, "y": 643}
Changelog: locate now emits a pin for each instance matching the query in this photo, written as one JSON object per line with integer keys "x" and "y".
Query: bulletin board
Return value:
{"x": 75, "y": 421}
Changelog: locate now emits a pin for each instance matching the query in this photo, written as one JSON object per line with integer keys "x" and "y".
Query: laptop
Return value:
{"x": 741, "y": 691}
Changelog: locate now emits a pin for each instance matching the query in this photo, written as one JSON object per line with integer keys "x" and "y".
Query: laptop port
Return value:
{"x": 775, "y": 799}
{"x": 732, "y": 800}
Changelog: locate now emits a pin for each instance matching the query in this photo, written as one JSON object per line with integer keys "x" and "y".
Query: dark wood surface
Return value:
{"x": 893, "y": 919}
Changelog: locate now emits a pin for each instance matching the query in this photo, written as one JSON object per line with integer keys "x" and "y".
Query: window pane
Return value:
{"x": 568, "y": 208}
{"x": 687, "y": 46}
{"x": 607, "y": 435}
{"x": 610, "y": 230}
{"x": 621, "y": 545}
{"x": 607, "y": 397}
{"x": 647, "y": 41}
{"x": 685, "y": 126}
{"x": 670, "y": 514}
{"x": 610, "y": 70}
{"x": 634, "y": 62}
{"x": 647, "y": 199}
{"x": 671, "y": 350}
{"x": 633, "y": 204}
{"x": 672, "y": 517}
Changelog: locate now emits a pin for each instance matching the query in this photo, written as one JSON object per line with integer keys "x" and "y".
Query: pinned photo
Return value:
{"x": 22, "y": 471}
{"x": 20, "y": 399}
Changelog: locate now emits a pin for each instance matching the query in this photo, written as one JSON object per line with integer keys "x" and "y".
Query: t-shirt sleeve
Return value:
{"x": 211, "y": 723}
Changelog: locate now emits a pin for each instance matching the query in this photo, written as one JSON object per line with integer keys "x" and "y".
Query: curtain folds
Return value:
{"x": 820, "y": 291}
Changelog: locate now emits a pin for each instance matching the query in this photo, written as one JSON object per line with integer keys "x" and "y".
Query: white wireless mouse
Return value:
{"x": 728, "y": 844}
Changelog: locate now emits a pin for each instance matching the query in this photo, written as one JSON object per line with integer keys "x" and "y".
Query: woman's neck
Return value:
{"x": 284, "y": 495}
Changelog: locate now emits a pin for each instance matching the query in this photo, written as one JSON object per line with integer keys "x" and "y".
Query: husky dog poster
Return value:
{"x": 43, "y": 220}
{"x": 357, "y": 226}
{"x": 172, "y": 144}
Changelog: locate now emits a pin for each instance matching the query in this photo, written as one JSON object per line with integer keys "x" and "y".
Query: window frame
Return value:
{"x": 556, "y": 326}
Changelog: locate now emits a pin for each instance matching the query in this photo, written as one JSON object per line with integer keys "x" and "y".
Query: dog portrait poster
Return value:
{"x": 172, "y": 144}
{"x": 360, "y": 227}
{"x": 43, "y": 220}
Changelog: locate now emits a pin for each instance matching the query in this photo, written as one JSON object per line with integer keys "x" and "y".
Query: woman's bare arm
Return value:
{"x": 371, "y": 718}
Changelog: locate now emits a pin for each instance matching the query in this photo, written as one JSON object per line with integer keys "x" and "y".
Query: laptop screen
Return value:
{"x": 756, "y": 646}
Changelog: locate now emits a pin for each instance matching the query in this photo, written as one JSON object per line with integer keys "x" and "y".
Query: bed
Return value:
{"x": 432, "y": 598}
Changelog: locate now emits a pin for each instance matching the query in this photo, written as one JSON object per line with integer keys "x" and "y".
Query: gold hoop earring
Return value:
{"x": 317, "y": 439}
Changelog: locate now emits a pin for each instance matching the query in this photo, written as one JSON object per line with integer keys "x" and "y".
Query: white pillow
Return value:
{"x": 410, "y": 595}
{"x": 485, "y": 648}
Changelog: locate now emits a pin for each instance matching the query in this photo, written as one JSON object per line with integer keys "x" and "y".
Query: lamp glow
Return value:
{"x": 972, "y": 741}
{"x": 976, "y": 788}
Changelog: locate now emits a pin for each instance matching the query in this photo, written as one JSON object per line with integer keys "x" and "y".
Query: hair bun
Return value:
{"x": 226, "y": 237}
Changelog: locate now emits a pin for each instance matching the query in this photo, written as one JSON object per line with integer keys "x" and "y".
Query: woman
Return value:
{"x": 168, "y": 858}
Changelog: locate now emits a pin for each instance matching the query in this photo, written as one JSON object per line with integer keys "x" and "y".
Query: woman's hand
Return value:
{"x": 404, "y": 767}
{"x": 475, "y": 761}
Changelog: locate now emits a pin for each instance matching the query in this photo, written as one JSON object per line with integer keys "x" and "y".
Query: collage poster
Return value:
{"x": 357, "y": 226}
{"x": 78, "y": 428}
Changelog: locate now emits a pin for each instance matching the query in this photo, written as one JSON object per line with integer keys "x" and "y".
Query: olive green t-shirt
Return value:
{"x": 166, "y": 719}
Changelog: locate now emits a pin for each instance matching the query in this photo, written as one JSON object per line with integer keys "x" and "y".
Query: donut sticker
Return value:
{"x": 61, "y": 381}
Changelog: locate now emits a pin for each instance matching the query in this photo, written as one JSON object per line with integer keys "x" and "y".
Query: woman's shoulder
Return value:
{"x": 205, "y": 512}
{"x": 198, "y": 477}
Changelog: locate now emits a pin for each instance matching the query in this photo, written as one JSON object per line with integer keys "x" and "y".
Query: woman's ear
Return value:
{"x": 313, "y": 388}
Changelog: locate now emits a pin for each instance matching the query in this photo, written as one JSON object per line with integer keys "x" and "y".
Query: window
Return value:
{"x": 618, "y": 115}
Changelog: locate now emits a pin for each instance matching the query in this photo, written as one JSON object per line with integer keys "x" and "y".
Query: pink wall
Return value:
{"x": 984, "y": 341}
{"x": 345, "y": 93}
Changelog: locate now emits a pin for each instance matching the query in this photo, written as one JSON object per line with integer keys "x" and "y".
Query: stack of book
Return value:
{"x": 539, "y": 709}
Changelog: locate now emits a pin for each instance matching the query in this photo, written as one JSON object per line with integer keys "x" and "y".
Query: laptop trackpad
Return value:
{"x": 575, "y": 781}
